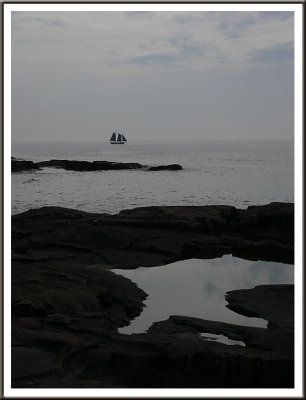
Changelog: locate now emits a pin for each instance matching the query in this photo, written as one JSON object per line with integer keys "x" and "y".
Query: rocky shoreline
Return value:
{"x": 67, "y": 304}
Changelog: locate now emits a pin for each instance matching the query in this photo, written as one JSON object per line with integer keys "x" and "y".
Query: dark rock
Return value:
{"x": 28, "y": 362}
{"x": 172, "y": 353}
{"x": 277, "y": 307}
{"x": 171, "y": 167}
{"x": 22, "y": 165}
{"x": 76, "y": 165}
{"x": 82, "y": 292}
{"x": 53, "y": 163}
{"x": 115, "y": 165}
{"x": 88, "y": 166}
{"x": 151, "y": 235}
{"x": 270, "y": 219}
{"x": 67, "y": 305}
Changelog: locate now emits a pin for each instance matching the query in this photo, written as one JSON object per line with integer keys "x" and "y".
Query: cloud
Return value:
{"x": 236, "y": 25}
{"x": 210, "y": 288}
{"x": 280, "y": 54}
{"x": 188, "y": 18}
{"x": 275, "y": 15}
{"x": 139, "y": 14}
{"x": 22, "y": 21}
{"x": 160, "y": 59}
{"x": 188, "y": 47}
{"x": 158, "y": 71}
{"x": 112, "y": 42}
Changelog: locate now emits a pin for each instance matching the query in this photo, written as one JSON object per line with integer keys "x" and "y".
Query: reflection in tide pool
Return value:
{"x": 196, "y": 288}
{"x": 221, "y": 339}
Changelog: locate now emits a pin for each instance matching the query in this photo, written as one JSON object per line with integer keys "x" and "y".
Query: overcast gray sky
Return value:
{"x": 152, "y": 75}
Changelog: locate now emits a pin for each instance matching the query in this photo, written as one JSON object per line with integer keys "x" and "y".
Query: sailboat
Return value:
{"x": 117, "y": 138}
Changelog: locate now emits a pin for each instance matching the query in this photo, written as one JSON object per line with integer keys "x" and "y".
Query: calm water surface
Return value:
{"x": 196, "y": 288}
{"x": 238, "y": 173}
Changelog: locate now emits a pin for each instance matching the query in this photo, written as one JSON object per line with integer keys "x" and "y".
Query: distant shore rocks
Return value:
{"x": 78, "y": 165}
{"x": 88, "y": 166}
{"x": 22, "y": 165}
{"x": 171, "y": 167}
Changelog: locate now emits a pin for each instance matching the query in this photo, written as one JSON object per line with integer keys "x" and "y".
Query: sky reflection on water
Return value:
{"x": 196, "y": 288}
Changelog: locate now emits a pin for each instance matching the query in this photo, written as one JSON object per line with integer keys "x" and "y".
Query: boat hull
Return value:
{"x": 117, "y": 142}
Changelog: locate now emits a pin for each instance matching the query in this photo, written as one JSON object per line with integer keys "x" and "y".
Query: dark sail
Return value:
{"x": 117, "y": 138}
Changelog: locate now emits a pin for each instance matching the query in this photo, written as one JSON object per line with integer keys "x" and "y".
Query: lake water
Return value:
{"x": 196, "y": 288}
{"x": 236, "y": 172}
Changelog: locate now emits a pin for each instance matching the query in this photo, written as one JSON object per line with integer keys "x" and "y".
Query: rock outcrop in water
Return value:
{"x": 88, "y": 165}
{"x": 170, "y": 167}
{"x": 67, "y": 304}
{"x": 22, "y": 165}
{"x": 76, "y": 165}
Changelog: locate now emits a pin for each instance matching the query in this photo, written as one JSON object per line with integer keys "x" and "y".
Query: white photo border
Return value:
{"x": 297, "y": 391}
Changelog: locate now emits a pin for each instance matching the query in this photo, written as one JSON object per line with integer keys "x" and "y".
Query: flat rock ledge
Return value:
{"x": 67, "y": 304}
{"x": 76, "y": 165}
